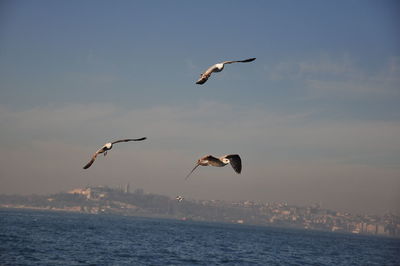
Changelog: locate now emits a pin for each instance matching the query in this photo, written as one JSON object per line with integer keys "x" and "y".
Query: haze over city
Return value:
{"x": 315, "y": 118}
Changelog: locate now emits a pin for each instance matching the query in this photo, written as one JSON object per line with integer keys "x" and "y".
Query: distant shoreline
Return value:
{"x": 118, "y": 201}
{"x": 33, "y": 208}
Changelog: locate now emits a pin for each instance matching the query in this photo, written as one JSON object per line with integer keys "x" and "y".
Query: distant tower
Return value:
{"x": 127, "y": 189}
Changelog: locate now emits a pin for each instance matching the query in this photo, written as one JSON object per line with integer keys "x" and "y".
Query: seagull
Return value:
{"x": 218, "y": 68}
{"x": 209, "y": 160}
{"x": 106, "y": 148}
{"x": 179, "y": 198}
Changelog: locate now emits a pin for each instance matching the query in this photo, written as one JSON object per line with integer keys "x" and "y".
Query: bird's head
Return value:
{"x": 225, "y": 160}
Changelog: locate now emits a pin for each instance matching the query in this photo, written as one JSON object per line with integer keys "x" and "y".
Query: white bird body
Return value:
{"x": 106, "y": 147}
{"x": 209, "y": 160}
{"x": 218, "y": 68}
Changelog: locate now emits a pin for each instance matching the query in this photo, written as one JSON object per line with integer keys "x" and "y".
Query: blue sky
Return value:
{"x": 315, "y": 117}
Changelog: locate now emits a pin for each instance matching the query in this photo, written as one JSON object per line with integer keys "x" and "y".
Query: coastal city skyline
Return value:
{"x": 315, "y": 118}
{"x": 121, "y": 200}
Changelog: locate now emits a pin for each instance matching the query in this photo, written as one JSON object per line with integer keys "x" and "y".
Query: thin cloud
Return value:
{"x": 329, "y": 76}
{"x": 209, "y": 124}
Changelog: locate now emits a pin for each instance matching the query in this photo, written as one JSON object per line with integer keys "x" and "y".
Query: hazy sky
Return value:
{"x": 316, "y": 118}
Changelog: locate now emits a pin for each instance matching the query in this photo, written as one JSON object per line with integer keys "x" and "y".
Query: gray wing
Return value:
{"x": 240, "y": 61}
{"x": 235, "y": 161}
{"x": 210, "y": 70}
{"x": 91, "y": 161}
{"x": 126, "y": 140}
{"x": 204, "y": 76}
{"x": 213, "y": 161}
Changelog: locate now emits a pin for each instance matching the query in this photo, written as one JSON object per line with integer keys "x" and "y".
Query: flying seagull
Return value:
{"x": 209, "y": 160}
{"x": 218, "y": 68}
{"x": 106, "y": 148}
{"x": 179, "y": 198}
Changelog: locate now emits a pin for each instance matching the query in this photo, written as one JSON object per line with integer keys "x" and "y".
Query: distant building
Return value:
{"x": 81, "y": 191}
{"x": 380, "y": 229}
{"x": 371, "y": 229}
{"x": 92, "y": 192}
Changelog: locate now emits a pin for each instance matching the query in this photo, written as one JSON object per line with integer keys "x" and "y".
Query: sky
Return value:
{"x": 315, "y": 118}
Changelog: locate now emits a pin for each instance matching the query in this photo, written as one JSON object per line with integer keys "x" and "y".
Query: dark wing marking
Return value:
{"x": 197, "y": 165}
{"x": 91, "y": 161}
{"x": 235, "y": 161}
{"x": 126, "y": 140}
{"x": 240, "y": 61}
{"x": 202, "y": 80}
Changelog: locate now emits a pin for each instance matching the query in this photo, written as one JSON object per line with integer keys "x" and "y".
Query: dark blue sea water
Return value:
{"x": 57, "y": 238}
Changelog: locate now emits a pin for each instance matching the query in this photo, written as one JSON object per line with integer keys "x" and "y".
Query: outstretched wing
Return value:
{"x": 240, "y": 61}
{"x": 91, "y": 161}
{"x": 210, "y": 70}
{"x": 202, "y": 80}
{"x": 126, "y": 140}
{"x": 235, "y": 161}
{"x": 197, "y": 165}
{"x": 204, "y": 76}
{"x": 211, "y": 160}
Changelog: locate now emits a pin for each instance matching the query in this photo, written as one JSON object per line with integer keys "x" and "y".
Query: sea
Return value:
{"x": 32, "y": 237}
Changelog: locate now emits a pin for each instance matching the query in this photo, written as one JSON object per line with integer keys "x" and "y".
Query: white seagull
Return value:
{"x": 209, "y": 160}
{"x": 106, "y": 148}
{"x": 218, "y": 68}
